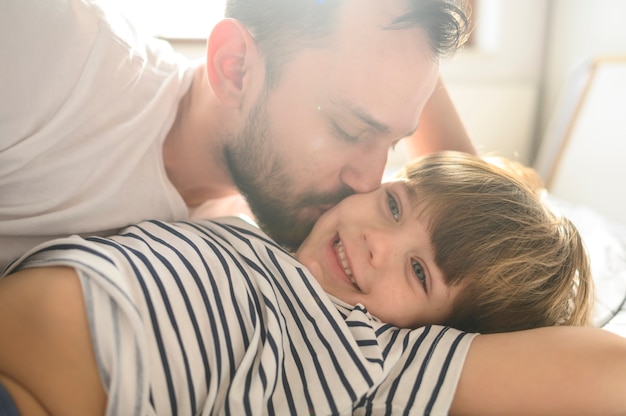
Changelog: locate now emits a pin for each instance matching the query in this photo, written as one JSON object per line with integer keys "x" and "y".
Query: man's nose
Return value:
{"x": 365, "y": 173}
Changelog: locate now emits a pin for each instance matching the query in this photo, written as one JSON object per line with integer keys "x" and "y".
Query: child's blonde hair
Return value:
{"x": 520, "y": 265}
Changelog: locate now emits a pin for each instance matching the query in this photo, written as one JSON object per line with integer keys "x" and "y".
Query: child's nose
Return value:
{"x": 381, "y": 247}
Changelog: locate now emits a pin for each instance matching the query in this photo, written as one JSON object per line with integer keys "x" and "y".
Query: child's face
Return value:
{"x": 373, "y": 250}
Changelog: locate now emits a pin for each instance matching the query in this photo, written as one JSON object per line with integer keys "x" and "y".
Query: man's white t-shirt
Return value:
{"x": 86, "y": 104}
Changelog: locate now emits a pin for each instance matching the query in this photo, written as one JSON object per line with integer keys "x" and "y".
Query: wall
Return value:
{"x": 508, "y": 89}
{"x": 495, "y": 84}
{"x": 578, "y": 30}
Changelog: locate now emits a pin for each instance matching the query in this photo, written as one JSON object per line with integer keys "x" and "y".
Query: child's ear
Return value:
{"x": 231, "y": 55}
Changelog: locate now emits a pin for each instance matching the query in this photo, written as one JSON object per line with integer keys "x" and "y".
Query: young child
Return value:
{"x": 214, "y": 317}
{"x": 475, "y": 240}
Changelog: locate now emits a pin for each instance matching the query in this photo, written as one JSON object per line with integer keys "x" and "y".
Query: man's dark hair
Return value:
{"x": 282, "y": 27}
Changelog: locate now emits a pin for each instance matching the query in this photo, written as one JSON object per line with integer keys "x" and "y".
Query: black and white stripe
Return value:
{"x": 215, "y": 318}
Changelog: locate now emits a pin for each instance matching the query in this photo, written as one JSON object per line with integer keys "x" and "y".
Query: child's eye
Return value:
{"x": 418, "y": 269}
{"x": 393, "y": 206}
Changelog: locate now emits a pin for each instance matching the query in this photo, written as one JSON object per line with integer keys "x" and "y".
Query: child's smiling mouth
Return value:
{"x": 343, "y": 260}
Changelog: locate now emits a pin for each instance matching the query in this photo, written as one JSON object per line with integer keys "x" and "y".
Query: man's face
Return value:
{"x": 325, "y": 130}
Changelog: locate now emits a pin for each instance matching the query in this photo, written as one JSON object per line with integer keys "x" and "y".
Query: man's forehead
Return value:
{"x": 363, "y": 32}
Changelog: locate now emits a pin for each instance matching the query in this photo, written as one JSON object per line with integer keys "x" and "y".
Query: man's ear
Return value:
{"x": 231, "y": 55}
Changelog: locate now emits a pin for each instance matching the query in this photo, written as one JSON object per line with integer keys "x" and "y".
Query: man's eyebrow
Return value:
{"x": 362, "y": 114}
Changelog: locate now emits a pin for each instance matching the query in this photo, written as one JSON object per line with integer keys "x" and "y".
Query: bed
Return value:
{"x": 605, "y": 241}
{"x": 581, "y": 162}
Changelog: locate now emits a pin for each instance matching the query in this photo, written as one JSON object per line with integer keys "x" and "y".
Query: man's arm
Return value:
{"x": 555, "y": 371}
{"x": 440, "y": 127}
{"x": 47, "y": 363}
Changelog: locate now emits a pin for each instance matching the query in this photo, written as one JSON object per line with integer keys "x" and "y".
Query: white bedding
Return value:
{"x": 605, "y": 241}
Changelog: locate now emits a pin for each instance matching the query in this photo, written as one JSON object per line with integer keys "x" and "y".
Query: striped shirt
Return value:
{"x": 214, "y": 318}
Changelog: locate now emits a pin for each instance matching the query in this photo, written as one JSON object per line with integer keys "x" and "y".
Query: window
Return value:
{"x": 173, "y": 19}
{"x": 486, "y": 33}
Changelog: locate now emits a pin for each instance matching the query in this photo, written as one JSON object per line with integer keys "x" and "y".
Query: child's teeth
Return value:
{"x": 341, "y": 254}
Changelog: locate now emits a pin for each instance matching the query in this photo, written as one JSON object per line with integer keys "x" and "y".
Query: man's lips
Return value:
{"x": 343, "y": 261}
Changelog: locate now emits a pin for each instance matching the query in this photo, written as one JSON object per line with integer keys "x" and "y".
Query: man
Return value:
{"x": 295, "y": 107}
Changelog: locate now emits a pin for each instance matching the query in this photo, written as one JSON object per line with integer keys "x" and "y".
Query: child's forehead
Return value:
{"x": 418, "y": 201}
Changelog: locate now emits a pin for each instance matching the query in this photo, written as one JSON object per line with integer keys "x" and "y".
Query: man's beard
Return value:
{"x": 257, "y": 169}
